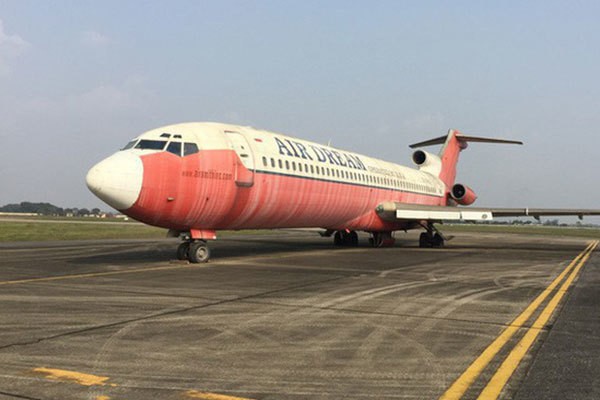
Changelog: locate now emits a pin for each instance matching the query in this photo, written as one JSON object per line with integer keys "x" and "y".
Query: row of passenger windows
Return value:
{"x": 344, "y": 174}
{"x": 177, "y": 148}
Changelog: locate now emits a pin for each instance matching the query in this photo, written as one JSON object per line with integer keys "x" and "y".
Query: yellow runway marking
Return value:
{"x": 194, "y": 394}
{"x": 503, "y": 374}
{"x": 73, "y": 376}
{"x": 462, "y": 384}
{"x": 93, "y": 274}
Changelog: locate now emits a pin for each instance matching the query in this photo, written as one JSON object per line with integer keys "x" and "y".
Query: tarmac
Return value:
{"x": 288, "y": 316}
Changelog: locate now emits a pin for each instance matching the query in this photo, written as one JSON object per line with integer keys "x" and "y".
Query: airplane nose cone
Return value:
{"x": 117, "y": 180}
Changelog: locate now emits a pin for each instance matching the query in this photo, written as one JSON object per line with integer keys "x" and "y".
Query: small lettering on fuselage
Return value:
{"x": 296, "y": 149}
{"x": 223, "y": 176}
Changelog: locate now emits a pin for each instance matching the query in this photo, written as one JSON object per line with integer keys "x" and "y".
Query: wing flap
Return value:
{"x": 393, "y": 211}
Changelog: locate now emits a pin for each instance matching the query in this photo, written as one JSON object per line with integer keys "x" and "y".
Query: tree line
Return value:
{"x": 48, "y": 209}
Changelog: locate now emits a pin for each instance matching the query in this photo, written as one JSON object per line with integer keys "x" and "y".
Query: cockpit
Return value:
{"x": 167, "y": 142}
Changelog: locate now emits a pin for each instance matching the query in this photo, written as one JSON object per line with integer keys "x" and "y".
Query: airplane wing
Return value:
{"x": 393, "y": 211}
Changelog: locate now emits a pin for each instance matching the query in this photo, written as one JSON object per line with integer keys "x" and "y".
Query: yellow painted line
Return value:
{"x": 503, "y": 374}
{"x": 92, "y": 274}
{"x": 73, "y": 376}
{"x": 462, "y": 384}
{"x": 194, "y": 394}
{"x": 102, "y": 397}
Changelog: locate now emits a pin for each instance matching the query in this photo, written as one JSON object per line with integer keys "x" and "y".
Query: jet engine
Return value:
{"x": 427, "y": 162}
{"x": 463, "y": 195}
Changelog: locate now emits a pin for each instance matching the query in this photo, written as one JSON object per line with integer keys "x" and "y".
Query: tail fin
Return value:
{"x": 454, "y": 142}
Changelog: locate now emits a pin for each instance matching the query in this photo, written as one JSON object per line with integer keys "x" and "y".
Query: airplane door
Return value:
{"x": 244, "y": 174}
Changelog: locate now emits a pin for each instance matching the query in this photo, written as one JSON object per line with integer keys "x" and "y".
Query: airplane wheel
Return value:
{"x": 437, "y": 241}
{"x": 182, "y": 251}
{"x": 353, "y": 239}
{"x": 337, "y": 239}
{"x": 424, "y": 240}
{"x": 199, "y": 252}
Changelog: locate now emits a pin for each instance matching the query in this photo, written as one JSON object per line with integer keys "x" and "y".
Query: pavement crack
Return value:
{"x": 166, "y": 313}
{"x": 388, "y": 314}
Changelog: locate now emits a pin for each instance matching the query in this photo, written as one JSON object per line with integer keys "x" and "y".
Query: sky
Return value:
{"x": 78, "y": 79}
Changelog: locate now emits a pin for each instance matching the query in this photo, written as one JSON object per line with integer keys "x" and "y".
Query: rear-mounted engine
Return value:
{"x": 427, "y": 162}
{"x": 463, "y": 195}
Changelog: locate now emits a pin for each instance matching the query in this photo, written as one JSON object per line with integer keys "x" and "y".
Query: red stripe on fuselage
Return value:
{"x": 199, "y": 191}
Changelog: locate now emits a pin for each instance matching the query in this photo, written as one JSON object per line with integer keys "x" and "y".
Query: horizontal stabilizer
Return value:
{"x": 464, "y": 139}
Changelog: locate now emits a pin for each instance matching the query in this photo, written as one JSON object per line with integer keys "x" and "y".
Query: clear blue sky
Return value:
{"x": 79, "y": 78}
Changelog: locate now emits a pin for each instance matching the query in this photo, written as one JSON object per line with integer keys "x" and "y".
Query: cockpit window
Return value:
{"x": 189, "y": 148}
{"x": 129, "y": 145}
{"x": 167, "y": 135}
{"x": 175, "y": 148}
{"x": 177, "y": 136}
{"x": 151, "y": 144}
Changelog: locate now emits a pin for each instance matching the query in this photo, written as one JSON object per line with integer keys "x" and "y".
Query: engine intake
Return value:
{"x": 427, "y": 162}
{"x": 463, "y": 195}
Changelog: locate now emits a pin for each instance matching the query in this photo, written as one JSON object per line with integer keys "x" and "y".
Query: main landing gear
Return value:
{"x": 431, "y": 238}
{"x": 382, "y": 239}
{"x": 345, "y": 238}
{"x": 195, "y": 251}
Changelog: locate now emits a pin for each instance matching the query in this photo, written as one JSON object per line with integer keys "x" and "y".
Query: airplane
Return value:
{"x": 198, "y": 178}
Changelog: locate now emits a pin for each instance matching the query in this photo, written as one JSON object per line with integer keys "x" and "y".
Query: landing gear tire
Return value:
{"x": 343, "y": 238}
{"x": 337, "y": 239}
{"x": 182, "y": 251}
{"x": 353, "y": 239}
{"x": 382, "y": 239}
{"x": 199, "y": 252}
{"x": 426, "y": 240}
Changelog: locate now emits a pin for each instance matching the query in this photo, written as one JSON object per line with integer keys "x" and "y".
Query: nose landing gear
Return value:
{"x": 195, "y": 251}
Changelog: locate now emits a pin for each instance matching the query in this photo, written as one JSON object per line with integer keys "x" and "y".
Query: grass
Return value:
{"x": 41, "y": 231}
{"x": 44, "y": 228}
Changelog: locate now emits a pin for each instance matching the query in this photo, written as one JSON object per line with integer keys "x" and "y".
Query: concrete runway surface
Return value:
{"x": 287, "y": 316}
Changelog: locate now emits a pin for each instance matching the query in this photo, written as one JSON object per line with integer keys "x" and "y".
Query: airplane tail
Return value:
{"x": 453, "y": 143}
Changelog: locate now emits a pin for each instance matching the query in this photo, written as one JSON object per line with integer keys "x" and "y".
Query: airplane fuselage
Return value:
{"x": 242, "y": 178}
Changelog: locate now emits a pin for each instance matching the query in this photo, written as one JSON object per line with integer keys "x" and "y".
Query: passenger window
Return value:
{"x": 175, "y": 148}
{"x": 299, "y": 167}
{"x": 272, "y": 163}
{"x": 264, "y": 161}
{"x": 280, "y": 164}
{"x": 287, "y": 164}
{"x": 189, "y": 148}
{"x": 293, "y": 165}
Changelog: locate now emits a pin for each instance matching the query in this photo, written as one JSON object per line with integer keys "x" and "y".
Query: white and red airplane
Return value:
{"x": 197, "y": 178}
